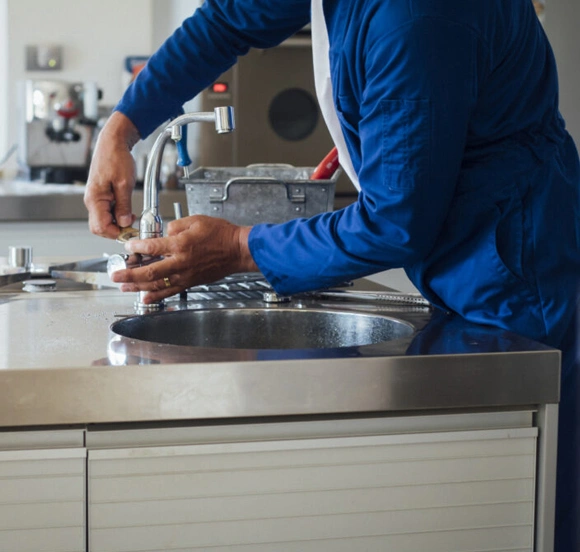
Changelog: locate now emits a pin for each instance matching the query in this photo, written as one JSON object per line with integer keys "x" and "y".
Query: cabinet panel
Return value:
{"x": 63, "y": 467}
{"x": 49, "y": 514}
{"x": 64, "y": 539}
{"x": 369, "y": 544}
{"x": 178, "y": 459}
{"x": 431, "y": 542}
{"x": 309, "y": 478}
{"x": 42, "y": 500}
{"x": 207, "y": 509}
{"x": 441, "y": 492}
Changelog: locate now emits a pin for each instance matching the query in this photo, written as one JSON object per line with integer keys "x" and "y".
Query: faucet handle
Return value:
{"x": 179, "y": 136}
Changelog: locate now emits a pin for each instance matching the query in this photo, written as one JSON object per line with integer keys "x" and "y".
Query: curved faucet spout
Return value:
{"x": 223, "y": 117}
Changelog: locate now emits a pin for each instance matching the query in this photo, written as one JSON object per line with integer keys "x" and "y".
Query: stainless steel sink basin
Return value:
{"x": 263, "y": 328}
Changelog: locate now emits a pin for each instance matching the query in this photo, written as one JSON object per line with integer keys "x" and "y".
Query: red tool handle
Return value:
{"x": 327, "y": 167}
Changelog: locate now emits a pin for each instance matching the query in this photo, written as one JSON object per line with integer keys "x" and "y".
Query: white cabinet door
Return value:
{"x": 42, "y": 500}
{"x": 452, "y": 491}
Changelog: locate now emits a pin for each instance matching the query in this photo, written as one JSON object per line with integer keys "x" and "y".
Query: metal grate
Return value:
{"x": 236, "y": 286}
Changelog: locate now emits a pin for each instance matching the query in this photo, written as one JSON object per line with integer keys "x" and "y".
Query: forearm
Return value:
{"x": 245, "y": 261}
{"x": 120, "y": 130}
{"x": 303, "y": 255}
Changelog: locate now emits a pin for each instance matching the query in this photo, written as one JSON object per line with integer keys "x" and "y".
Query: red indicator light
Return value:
{"x": 220, "y": 87}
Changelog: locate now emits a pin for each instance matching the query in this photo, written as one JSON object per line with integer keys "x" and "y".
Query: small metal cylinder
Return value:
{"x": 224, "y": 119}
{"x": 20, "y": 256}
{"x": 273, "y": 297}
{"x": 176, "y": 133}
{"x": 143, "y": 308}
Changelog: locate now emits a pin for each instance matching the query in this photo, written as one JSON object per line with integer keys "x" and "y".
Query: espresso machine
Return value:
{"x": 58, "y": 128}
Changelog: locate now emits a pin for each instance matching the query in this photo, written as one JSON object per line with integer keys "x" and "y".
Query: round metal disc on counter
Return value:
{"x": 40, "y": 285}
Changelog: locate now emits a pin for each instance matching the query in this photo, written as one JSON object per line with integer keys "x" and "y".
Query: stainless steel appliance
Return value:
{"x": 57, "y": 129}
{"x": 277, "y": 112}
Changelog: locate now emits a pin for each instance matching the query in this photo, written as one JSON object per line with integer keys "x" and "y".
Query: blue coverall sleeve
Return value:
{"x": 404, "y": 101}
{"x": 207, "y": 44}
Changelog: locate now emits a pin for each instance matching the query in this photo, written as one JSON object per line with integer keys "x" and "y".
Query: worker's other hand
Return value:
{"x": 197, "y": 250}
{"x": 112, "y": 178}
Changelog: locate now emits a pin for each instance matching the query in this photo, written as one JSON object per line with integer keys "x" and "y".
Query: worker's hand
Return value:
{"x": 197, "y": 250}
{"x": 112, "y": 178}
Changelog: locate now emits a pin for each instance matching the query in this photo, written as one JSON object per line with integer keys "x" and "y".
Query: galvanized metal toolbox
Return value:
{"x": 258, "y": 193}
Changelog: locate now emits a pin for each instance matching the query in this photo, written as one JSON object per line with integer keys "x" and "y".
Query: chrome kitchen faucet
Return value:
{"x": 151, "y": 224}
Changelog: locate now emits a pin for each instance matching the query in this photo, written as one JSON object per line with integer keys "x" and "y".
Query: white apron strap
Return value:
{"x": 323, "y": 84}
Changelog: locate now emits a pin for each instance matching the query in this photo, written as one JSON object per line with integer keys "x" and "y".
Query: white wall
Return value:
{"x": 95, "y": 36}
{"x": 4, "y": 329}
{"x": 168, "y": 15}
{"x": 3, "y": 77}
{"x": 561, "y": 24}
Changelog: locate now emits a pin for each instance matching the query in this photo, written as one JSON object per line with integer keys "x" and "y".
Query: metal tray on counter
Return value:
{"x": 258, "y": 193}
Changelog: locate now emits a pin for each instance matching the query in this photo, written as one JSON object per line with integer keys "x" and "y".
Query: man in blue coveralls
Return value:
{"x": 446, "y": 117}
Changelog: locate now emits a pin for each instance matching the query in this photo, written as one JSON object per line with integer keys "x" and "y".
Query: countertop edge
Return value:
{"x": 69, "y": 396}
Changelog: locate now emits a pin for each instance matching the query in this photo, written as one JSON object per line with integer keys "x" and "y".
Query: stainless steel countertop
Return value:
{"x": 59, "y": 364}
{"x": 21, "y": 200}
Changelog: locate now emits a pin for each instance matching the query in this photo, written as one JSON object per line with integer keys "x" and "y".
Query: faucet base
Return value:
{"x": 145, "y": 308}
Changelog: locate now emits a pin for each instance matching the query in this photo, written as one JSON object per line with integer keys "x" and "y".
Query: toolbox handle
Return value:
{"x": 296, "y": 195}
{"x": 270, "y": 166}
